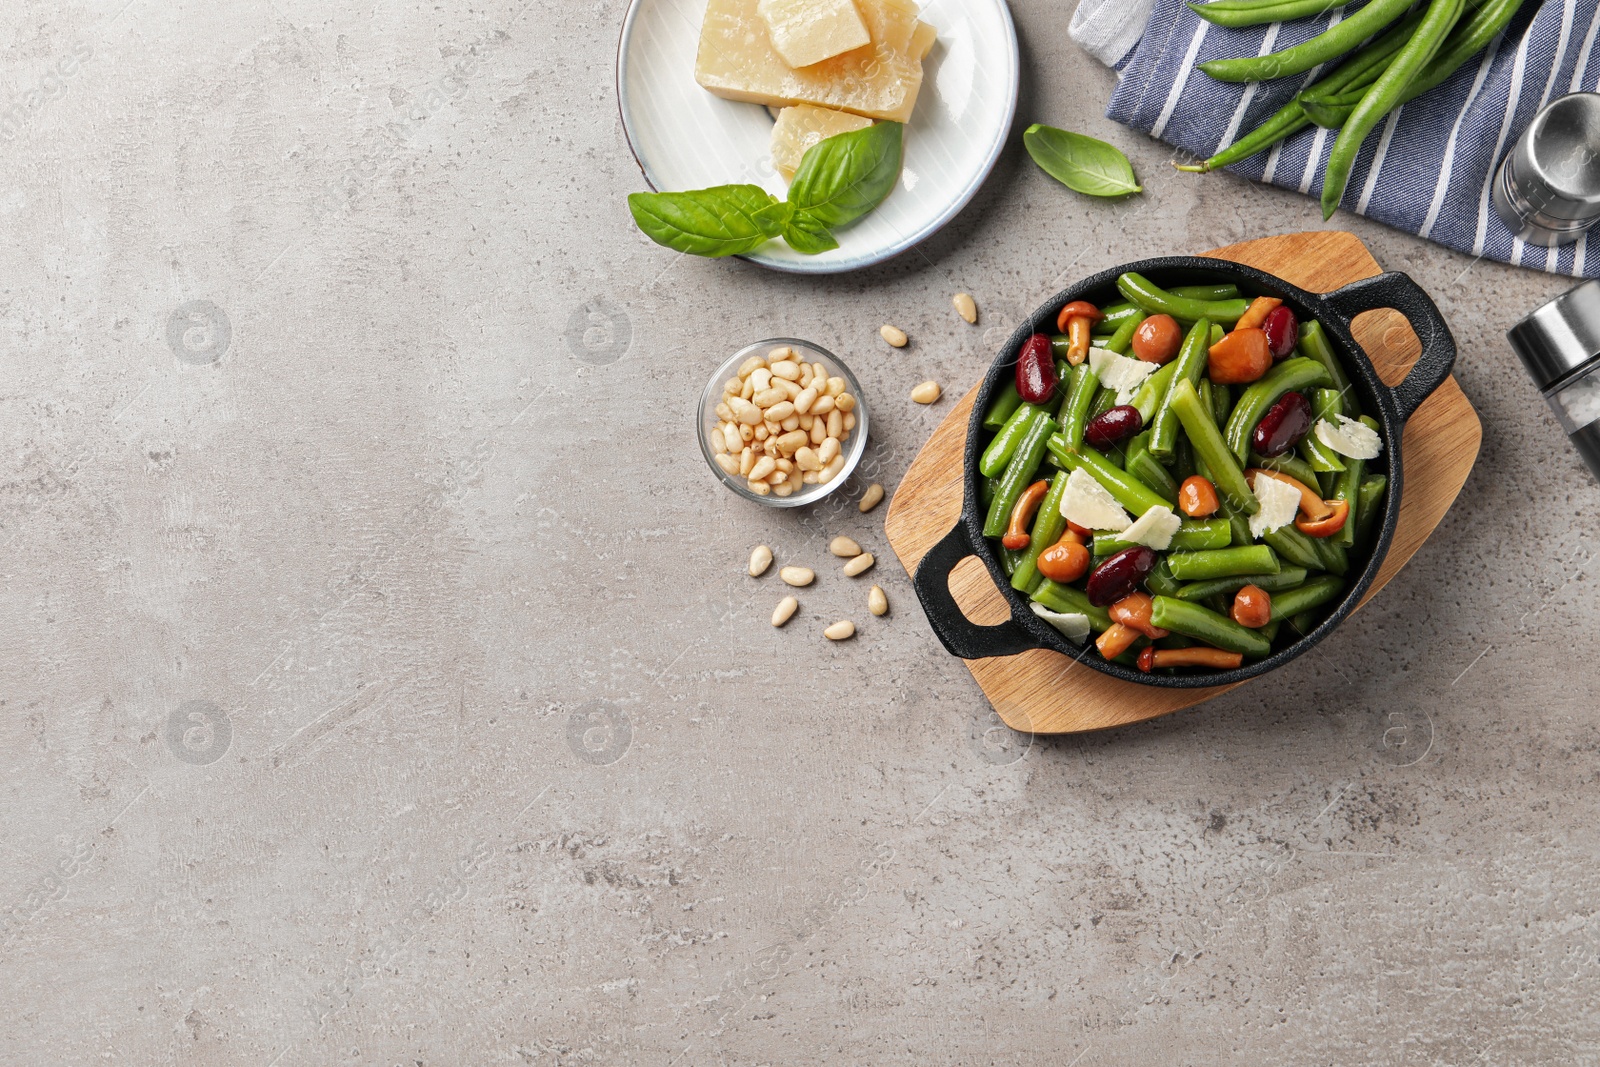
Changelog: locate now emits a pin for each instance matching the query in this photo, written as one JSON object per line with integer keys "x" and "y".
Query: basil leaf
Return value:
{"x": 845, "y": 176}
{"x": 1081, "y": 163}
{"x": 726, "y": 220}
{"x": 807, "y": 235}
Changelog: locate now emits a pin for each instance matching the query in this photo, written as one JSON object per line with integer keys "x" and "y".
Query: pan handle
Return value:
{"x": 959, "y": 635}
{"x": 1398, "y": 291}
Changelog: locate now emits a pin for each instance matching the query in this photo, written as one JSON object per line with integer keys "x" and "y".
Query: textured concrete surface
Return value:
{"x": 379, "y": 683}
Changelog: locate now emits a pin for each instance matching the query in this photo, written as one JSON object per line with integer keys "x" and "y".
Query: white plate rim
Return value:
{"x": 887, "y": 252}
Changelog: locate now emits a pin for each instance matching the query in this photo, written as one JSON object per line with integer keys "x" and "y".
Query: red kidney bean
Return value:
{"x": 1110, "y": 427}
{"x": 1036, "y": 370}
{"x": 1282, "y": 427}
{"x": 1120, "y": 575}
{"x": 1283, "y": 331}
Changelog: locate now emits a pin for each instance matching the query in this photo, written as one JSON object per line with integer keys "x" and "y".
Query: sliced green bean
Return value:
{"x": 1325, "y": 404}
{"x": 1116, "y": 315}
{"x": 1222, "y": 563}
{"x": 1183, "y": 460}
{"x": 1237, "y": 13}
{"x": 1207, "y": 627}
{"x": 1157, "y": 301}
{"x": 1306, "y": 621}
{"x": 1286, "y": 578}
{"x": 1210, "y": 448}
{"x": 1371, "y": 495}
{"x": 1288, "y": 463}
{"x": 1221, "y": 402}
{"x": 1145, "y": 467}
{"x": 1068, "y": 600}
{"x": 1290, "y": 375}
{"x": 1314, "y": 594}
{"x": 1270, "y": 630}
{"x": 1295, "y": 547}
{"x": 1325, "y": 47}
{"x": 1127, "y": 490}
{"x": 1075, "y": 409}
{"x": 1348, "y": 488}
{"x": 1008, "y": 561}
{"x": 1024, "y": 463}
{"x": 1122, "y": 340}
{"x": 986, "y": 490}
{"x": 1191, "y": 367}
{"x": 1161, "y": 582}
{"x": 1315, "y": 345}
{"x": 1048, "y": 525}
{"x": 1335, "y": 558}
{"x": 1104, "y": 401}
{"x": 1195, "y": 535}
{"x": 1005, "y": 405}
{"x": 998, "y": 455}
{"x": 1153, "y": 392}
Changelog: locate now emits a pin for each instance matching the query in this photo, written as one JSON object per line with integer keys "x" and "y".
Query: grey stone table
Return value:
{"x": 380, "y": 683}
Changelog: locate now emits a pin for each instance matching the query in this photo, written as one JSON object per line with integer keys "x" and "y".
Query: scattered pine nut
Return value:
{"x": 799, "y": 577}
{"x": 894, "y": 335}
{"x": 966, "y": 307}
{"x": 878, "y": 601}
{"x": 843, "y": 630}
{"x": 871, "y": 498}
{"x": 760, "y": 560}
{"x": 784, "y": 611}
{"x": 927, "y": 393}
{"x": 844, "y": 548}
{"x": 860, "y": 565}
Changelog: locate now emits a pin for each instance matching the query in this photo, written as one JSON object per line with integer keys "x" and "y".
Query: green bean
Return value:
{"x": 1183, "y": 460}
{"x": 1306, "y": 621}
{"x": 1286, "y": 578}
{"x": 1288, "y": 463}
{"x": 1060, "y": 345}
{"x": 1194, "y": 535}
{"x": 1127, "y": 490}
{"x": 1122, "y": 340}
{"x": 1191, "y": 364}
{"x": 1295, "y": 547}
{"x": 1175, "y": 641}
{"x": 1008, "y": 561}
{"x": 1145, "y": 467}
{"x": 1207, "y": 627}
{"x": 1222, "y": 563}
{"x": 1004, "y": 446}
{"x": 1325, "y": 47}
{"x": 1349, "y": 488}
{"x": 1237, "y": 13}
{"x": 1104, "y": 401}
{"x": 1325, "y": 404}
{"x": 1372, "y": 490}
{"x": 1288, "y": 121}
{"x": 1313, "y": 594}
{"x": 1153, "y": 391}
{"x": 1206, "y": 292}
{"x": 1290, "y": 375}
{"x": 1005, "y": 405}
{"x": 1270, "y": 630}
{"x": 1157, "y": 301}
{"x": 1116, "y": 315}
{"x": 1019, "y": 473}
{"x": 1209, "y": 448}
{"x": 1160, "y": 580}
{"x": 1335, "y": 558}
{"x": 987, "y": 489}
{"x": 1385, "y": 94}
{"x": 1239, "y": 523}
{"x": 1068, "y": 600}
{"x": 1075, "y": 409}
{"x": 1314, "y": 340}
{"x": 1048, "y": 524}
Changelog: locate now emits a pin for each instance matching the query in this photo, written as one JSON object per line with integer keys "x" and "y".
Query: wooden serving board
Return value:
{"x": 1047, "y": 693}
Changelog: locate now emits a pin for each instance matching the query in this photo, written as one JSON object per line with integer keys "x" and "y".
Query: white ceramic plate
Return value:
{"x": 685, "y": 138}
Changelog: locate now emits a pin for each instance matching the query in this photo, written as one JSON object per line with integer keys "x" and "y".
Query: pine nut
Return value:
{"x": 819, "y": 431}
{"x": 877, "y": 601}
{"x": 966, "y": 307}
{"x": 824, "y": 405}
{"x": 730, "y": 436}
{"x": 746, "y": 434}
{"x": 782, "y": 352}
{"x": 849, "y": 423}
{"x": 761, "y": 432}
{"x": 811, "y": 477}
{"x": 719, "y": 443}
{"x": 871, "y": 498}
{"x": 860, "y": 565}
{"x": 777, "y": 478}
{"x": 845, "y": 403}
{"x": 732, "y": 386}
{"x": 799, "y": 577}
{"x": 724, "y": 412}
{"x": 926, "y": 393}
{"x": 830, "y": 448}
{"x": 751, "y": 365}
{"x": 805, "y": 375}
{"x": 836, "y": 386}
{"x": 894, "y": 335}
{"x": 835, "y": 423}
{"x": 844, "y": 548}
{"x": 729, "y": 465}
{"x": 831, "y": 471}
{"x": 786, "y": 370}
{"x": 806, "y": 459}
{"x": 766, "y": 398}
{"x": 762, "y": 380}
{"x": 744, "y": 411}
{"x": 786, "y": 489}
{"x": 790, "y": 388}
{"x": 747, "y": 460}
{"x": 786, "y": 466}
{"x": 764, "y": 466}
{"x": 803, "y": 402}
{"x": 806, "y": 421}
{"x": 791, "y": 424}
{"x": 760, "y": 560}
{"x": 785, "y": 610}
{"x": 759, "y": 488}
{"x": 780, "y": 411}
{"x": 843, "y": 630}
{"x": 790, "y": 443}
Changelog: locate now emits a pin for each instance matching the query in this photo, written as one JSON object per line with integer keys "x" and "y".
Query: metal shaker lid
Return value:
{"x": 1558, "y": 159}
{"x": 1561, "y": 336}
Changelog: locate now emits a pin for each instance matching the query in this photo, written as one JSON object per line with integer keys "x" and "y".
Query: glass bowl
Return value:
{"x": 854, "y": 446}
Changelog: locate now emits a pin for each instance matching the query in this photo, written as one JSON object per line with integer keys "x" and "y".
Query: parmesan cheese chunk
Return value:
{"x": 1119, "y": 372}
{"x": 808, "y": 31}
{"x": 1073, "y": 626}
{"x": 1090, "y": 505}
{"x": 802, "y": 127}
{"x": 922, "y": 40}
{"x": 1350, "y": 438}
{"x": 1154, "y": 529}
{"x": 1280, "y": 502}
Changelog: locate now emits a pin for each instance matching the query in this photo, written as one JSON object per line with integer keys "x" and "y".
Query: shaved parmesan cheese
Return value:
{"x": 1073, "y": 627}
{"x": 1350, "y": 438}
{"x": 1154, "y": 529}
{"x": 1119, "y": 372}
{"x": 1280, "y": 502}
{"x": 1089, "y": 504}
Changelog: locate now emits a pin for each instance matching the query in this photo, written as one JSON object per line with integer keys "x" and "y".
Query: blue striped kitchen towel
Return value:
{"x": 1426, "y": 170}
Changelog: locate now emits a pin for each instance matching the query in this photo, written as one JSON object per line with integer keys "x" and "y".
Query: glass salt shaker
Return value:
{"x": 1548, "y": 188}
{"x": 1560, "y": 346}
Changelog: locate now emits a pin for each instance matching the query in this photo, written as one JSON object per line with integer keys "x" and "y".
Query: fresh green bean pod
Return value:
{"x": 1183, "y": 460}
{"x": 1221, "y": 403}
{"x": 1368, "y": 500}
{"x": 986, "y": 490}
{"x": 1315, "y": 344}
{"x": 1161, "y": 582}
{"x": 1335, "y": 558}
{"x": 1194, "y": 535}
{"x": 1157, "y": 301}
{"x": 1004, "y": 406}
{"x": 998, "y": 455}
{"x": 1127, "y": 490}
{"x": 1122, "y": 340}
{"x": 1008, "y": 561}
{"x": 1075, "y": 410}
{"x": 1145, "y": 467}
{"x": 1295, "y": 547}
{"x": 1020, "y": 472}
{"x": 1222, "y": 563}
{"x": 1306, "y": 621}
{"x": 1104, "y": 401}
{"x": 1068, "y": 600}
{"x": 1314, "y": 594}
{"x": 1270, "y": 630}
{"x": 1048, "y": 525}
{"x": 1209, "y": 447}
{"x": 1323, "y": 48}
{"x": 1286, "y": 578}
{"x": 1116, "y": 315}
{"x": 1325, "y": 404}
{"x": 1222, "y": 291}
{"x": 1238, "y": 13}
{"x": 1207, "y": 627}
{"x": 1288, "y": 463}
{"x": 1191, "y": 367}
{"x": 1290, "y": 375}
{"x": 1150, "y": 395}
{"x": 1348, "y": 488}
